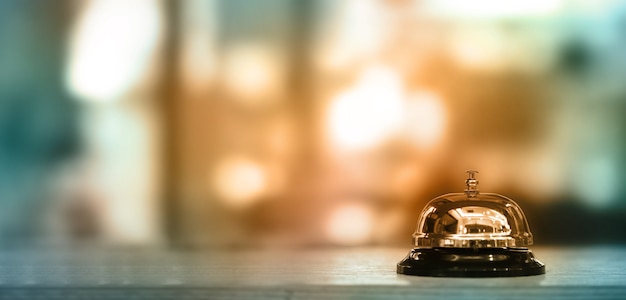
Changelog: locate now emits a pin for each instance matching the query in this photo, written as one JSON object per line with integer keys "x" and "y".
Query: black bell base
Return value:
{"x": 471, "y": 262}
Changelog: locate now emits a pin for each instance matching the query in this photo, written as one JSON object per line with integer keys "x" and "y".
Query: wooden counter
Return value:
{"x": 353, "y": 273}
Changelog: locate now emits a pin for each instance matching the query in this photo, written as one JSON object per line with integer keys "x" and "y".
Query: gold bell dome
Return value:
{"x": 471, "y": 234}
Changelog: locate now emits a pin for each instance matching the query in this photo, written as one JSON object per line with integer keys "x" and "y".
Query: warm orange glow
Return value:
{"x": 251, "y": 72}
{"x": 351, "y": 224}
{"x": 230, "y": 110}
{"x": 367, "y": 113}
{"x": 425, "y": 118}
{"x": 239, "y": 181}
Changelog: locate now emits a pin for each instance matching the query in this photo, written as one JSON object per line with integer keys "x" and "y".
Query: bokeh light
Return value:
{"x": 368, "y": 112}
{"x": 351, "y": 224}
{"x": 252, "y": 72}
{"x": 299, "y": 122}
{"x": 111, "y": 47}
{"x": 425, "y": 119}
{"x": 240, "y": 181}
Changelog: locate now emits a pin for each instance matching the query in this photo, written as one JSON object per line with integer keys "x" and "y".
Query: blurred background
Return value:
{"x": 275, "y": 123}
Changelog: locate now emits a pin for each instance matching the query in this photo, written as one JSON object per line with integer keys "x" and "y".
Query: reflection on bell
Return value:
{"x": 471, "y": 234}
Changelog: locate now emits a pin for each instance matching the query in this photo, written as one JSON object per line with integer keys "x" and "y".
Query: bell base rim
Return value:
{"x": 470, "y": 262}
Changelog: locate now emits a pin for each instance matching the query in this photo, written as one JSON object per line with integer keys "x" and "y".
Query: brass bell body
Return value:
{"x": 471, "y": 234}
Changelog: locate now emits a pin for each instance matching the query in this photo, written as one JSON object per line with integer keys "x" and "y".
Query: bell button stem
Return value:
{"x": 472, "y": 184}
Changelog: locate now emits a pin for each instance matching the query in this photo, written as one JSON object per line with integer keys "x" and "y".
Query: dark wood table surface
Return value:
{"x": 597, "y": 272}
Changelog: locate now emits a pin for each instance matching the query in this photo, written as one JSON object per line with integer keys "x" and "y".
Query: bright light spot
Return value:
{"x": 251, "y": 71}
{"x": 493, "y": 8}
{"x": 367, "y": 113}
{"x": 473, "y": 55}
{"x": 485, "y": 49}
{"x": 111, "y": 46}
{"x": 351, "y": 225}
{"x": 239, "y": 181}
{"x": 425, "y": 117}
{"x": 596, "y": 181}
